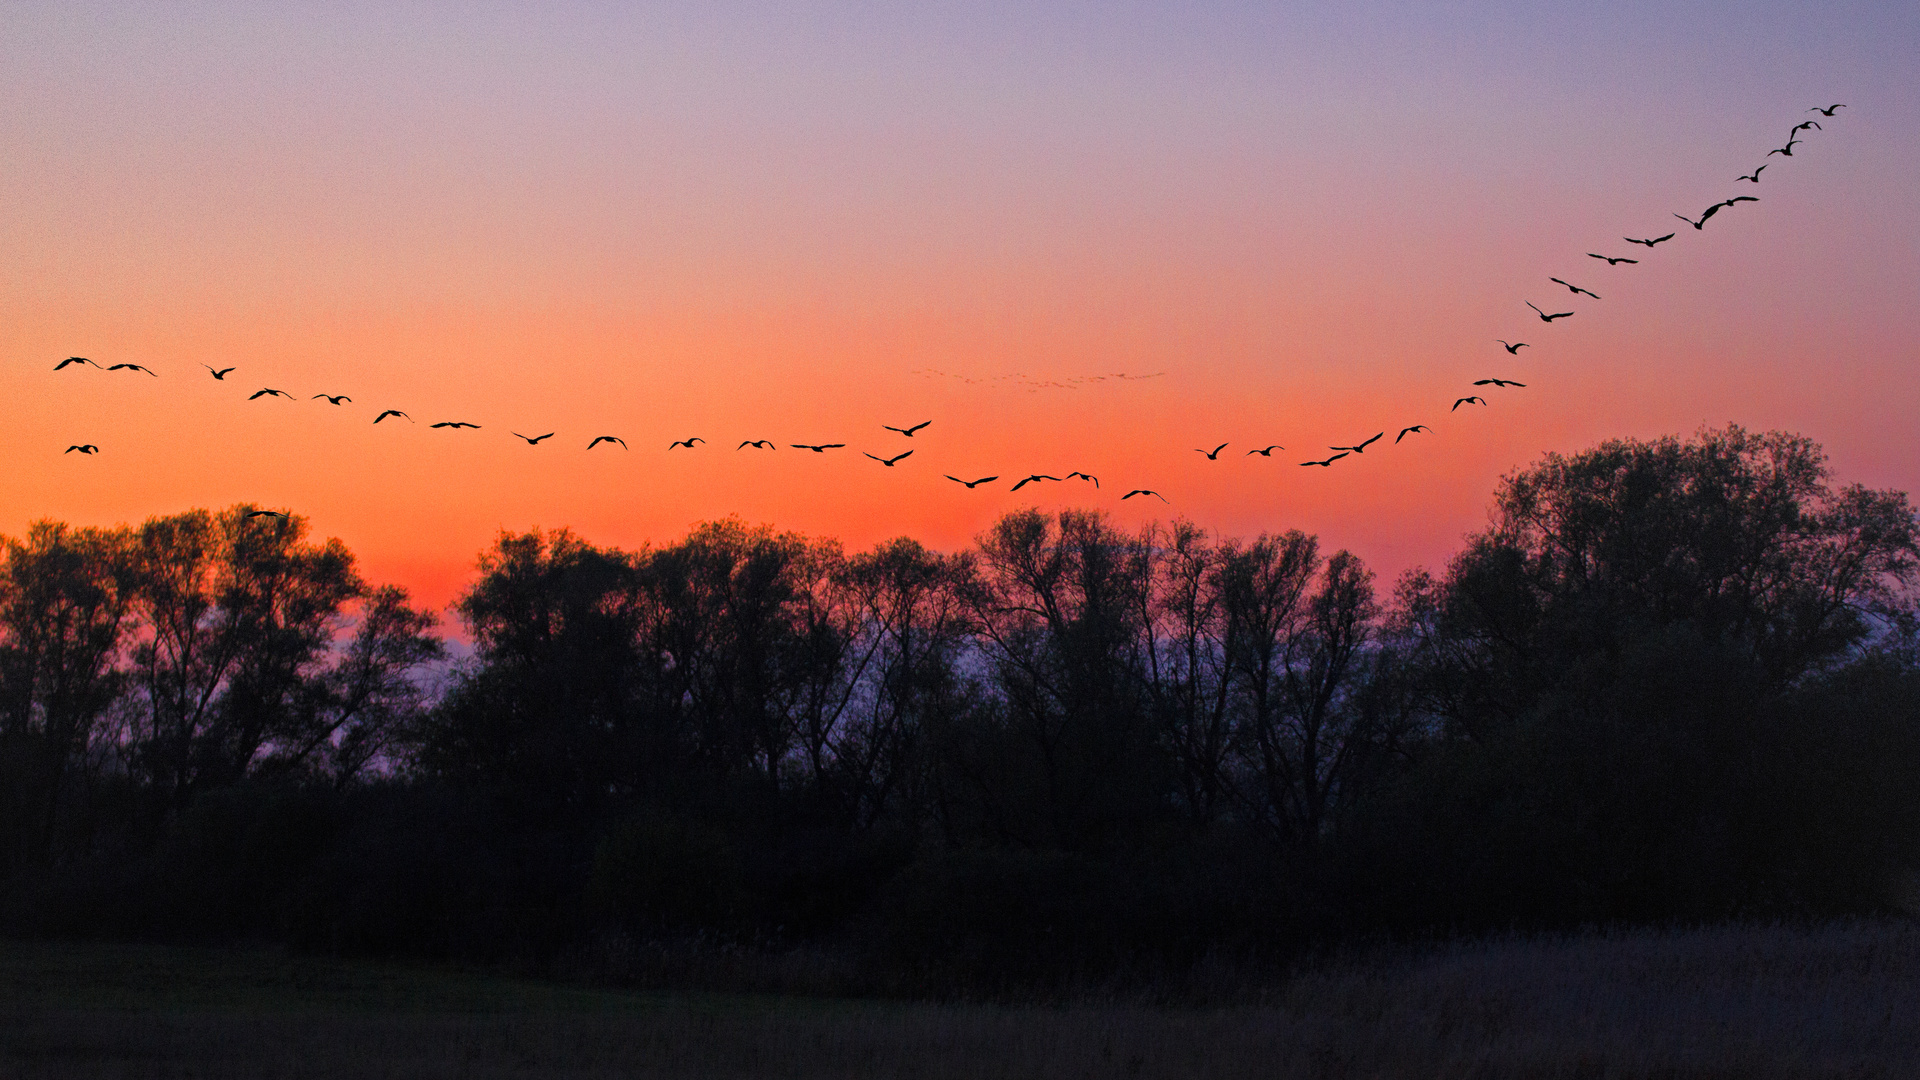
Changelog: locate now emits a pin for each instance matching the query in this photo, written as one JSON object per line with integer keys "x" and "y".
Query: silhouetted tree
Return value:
{"x": 1057, "y": 605}
{"x": 64, "y": 599}
{"x": 1608, "y": 666}
{"x": 910, "y": 647}
{"x": 1188, "y": 675}
{"x": 237, "y": 620}
{"x": 550, "y": 714}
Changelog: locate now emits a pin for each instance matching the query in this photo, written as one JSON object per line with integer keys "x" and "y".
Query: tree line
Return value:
{"x": 1672, "y": 679}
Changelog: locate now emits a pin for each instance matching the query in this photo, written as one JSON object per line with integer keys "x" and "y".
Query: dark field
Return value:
{"x": 1840, "y": 1001}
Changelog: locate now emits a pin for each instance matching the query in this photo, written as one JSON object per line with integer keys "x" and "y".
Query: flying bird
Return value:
{"x": 1513, "y": 349}
{"x": 1406, "y": 431}
{"x": 1649, "y": 243}
{"x": 1546, "y": 318}
{"x": 389, "y": 412}
{"x": 1361, "y": 449}
{"x": 1466, "y": 400}
{"x": 907, "y": 431}
{"x": 534, "y": 440}
{"x": 270, "y": 392}
{"x": 1031, "y": 479}
{"x": 1716, "y": 208}
{"x": 132, "y": 367}
{"x": 1753, "y": 176}
{"x": 1143, "y": 491}
{"x": 1328, "y": 463}
{"x": 1611, "y": 261}
{"x": 218, "y": 373}
{"x": 688, "y": 443}
{"x": 85, "y": 448}
{"x": 1575, "y": 288}
{"x": 761, "y": 444}
{"x": 888, "y": 462}
{"x": 598, "y": 439}
{"x": 332, "y": 399}
{"x": 1497, "y": 382}
{"x": 818, "y": 448}
{"x": 1786, "y": 150}
{"x": 73, "y": 360}
{"x": 266, "y": 513}
{"x": 1212, "y": 455}
{"x": 970, "y": 484}
{"x": 1804, "y": 125}
{"x": 1268, "y": 452}
{"x": 1828, "y": 111}
{"x": 453, "y": 424}
{"x": 1084, "y": 476}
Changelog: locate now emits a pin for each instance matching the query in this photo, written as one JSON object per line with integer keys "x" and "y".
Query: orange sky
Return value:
{"x": 806, "y": 226}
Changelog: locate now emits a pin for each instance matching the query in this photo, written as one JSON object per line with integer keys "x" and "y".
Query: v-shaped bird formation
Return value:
{"x": 694, "y": 442}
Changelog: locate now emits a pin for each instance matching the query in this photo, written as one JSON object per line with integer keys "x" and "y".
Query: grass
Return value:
{"x": 1732, "y": 1001}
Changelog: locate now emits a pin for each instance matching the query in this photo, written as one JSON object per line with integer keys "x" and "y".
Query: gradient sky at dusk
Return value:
{"x": 804, "y": 221}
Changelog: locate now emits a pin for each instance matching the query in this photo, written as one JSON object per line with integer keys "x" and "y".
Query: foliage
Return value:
{"x": 1672, "y": 679}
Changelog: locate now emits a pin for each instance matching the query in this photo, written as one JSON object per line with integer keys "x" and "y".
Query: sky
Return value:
{"x": 1073, "y": 237}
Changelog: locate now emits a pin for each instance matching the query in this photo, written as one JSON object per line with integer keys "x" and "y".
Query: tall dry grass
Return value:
{"x": 1732, "y": 1001}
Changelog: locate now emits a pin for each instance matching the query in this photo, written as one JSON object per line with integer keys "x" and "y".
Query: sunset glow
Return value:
{"x": 1090, "y": 237}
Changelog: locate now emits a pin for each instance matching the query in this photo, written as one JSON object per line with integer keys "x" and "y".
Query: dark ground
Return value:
{"x": 1734, "y": 1001}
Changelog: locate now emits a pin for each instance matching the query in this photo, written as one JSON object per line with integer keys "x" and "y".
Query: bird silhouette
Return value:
{"x": 688, "y": 443}
{"x": 1212, "y": 455}
{"x": 1753, "y": 176}
{"x": 393, "y": 412}
{"x": 1084, "y": 476}
{"x": 970, "y": 484}
{"x": 1546, "y": 318}
{"x": 762, "y": 444}
{"x": 132, "y": 367}
{"x": 1328, "y": 463}
{"x": 1649, "y": 243}
{"x": 332, "y": 399}
{"x": 453, "y": 424}
{"x": 907, "y": 431}
{"x": 1143, "y": 491}
{"x": 251, "y": 514}
{"x": 1406, "y": 431}
{"x": 1575, "y": 288}
{"x": 888, "y": 462}
{"x": 1828, "y": 111}
{"x": 533, "y": 440}
{"x": 73, "y": 360}
{"x": 85, "y": 448}
{"x": 218, "y": 373}
{"x": 1467, "y": 400}
{"x": 1031, "y": 479}
{"x": 598, "y": 439}
{"x": 1497, "y": 382}
{"x": 1717, "y": 207}
{"x": 1786, "y": 150}
{"x": 1611, "y": 261}
{"x": 1804, "y": 125}
{"x": 270, "y": 392}
{"x": 818, "y": 448}
{"x": 1268, "y": 452}
{"x": 1513, "y": 349}
{"x": 1361, "y": 448}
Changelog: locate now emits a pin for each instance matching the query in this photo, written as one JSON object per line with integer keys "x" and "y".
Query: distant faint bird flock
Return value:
{"x": 693, "y": 442}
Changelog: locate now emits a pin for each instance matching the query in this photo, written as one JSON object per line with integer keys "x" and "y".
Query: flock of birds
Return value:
{"x": 693, "y": 442}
